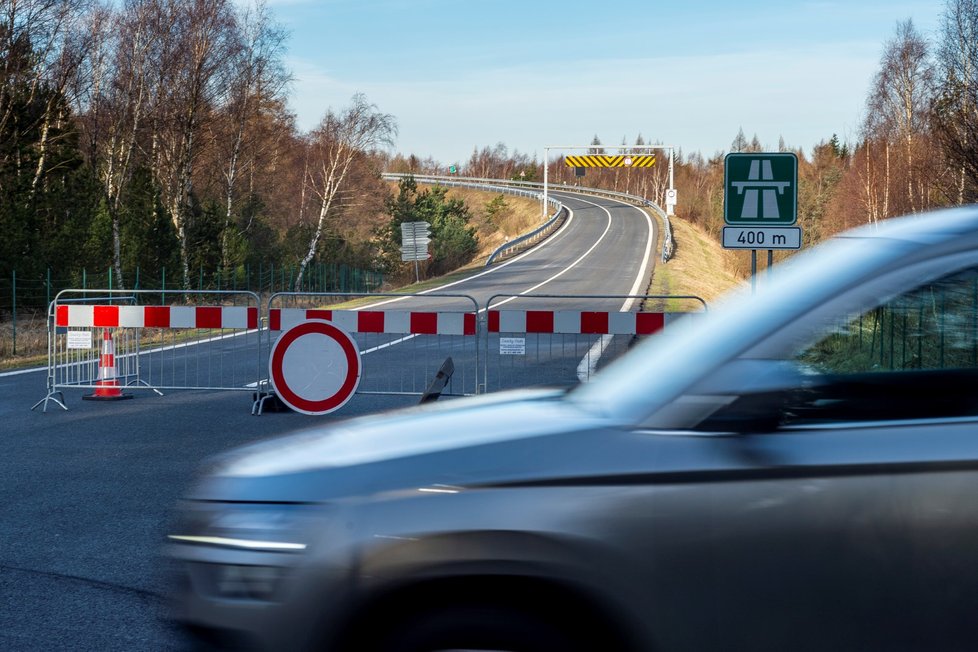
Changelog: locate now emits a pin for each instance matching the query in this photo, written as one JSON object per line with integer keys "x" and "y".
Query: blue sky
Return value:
{"x": 461, "y": 74}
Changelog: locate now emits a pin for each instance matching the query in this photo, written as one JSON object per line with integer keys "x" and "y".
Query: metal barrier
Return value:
{"x": 154, "y": 347}
{"x": 410, "y": 344}
{"x": 403, "y": 349}
{"x": 557, "y": 344}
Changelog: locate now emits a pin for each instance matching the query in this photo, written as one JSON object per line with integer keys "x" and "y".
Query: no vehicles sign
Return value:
{"x": 314, "y": 367}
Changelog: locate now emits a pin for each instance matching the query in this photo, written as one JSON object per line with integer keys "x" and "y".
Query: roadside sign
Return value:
{"x": 314, "y": 367}
{"x": 610, "y": 161}
{"x": 671, "y": 197}
{"x": 414, "y": 240}
{"x": 760, "y": 189}
{"x": 760, "y": 237}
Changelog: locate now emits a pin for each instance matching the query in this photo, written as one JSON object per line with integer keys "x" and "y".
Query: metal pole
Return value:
{"x": 670, "y": 208}
{"x": 753, "y": 271}
{"x": 546, "y": 176}
{"x": 14, "y": 294}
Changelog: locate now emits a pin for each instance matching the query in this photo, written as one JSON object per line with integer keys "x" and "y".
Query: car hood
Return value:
{"x": 473, "y": 440}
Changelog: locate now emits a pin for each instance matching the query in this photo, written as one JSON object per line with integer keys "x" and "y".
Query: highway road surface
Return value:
{"x": 86, "y": 493}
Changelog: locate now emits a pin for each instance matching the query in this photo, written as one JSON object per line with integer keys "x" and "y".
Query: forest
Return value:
{"x": 150, "y": 141}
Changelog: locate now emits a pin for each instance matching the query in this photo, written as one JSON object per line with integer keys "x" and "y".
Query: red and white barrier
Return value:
{"x": 459, "y": 323}
{"x": 392, "y": 322}
{"x": 578, "y": 322}
{"x": 230, "y": 317}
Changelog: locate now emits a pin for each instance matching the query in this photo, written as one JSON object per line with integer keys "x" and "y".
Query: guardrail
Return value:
{"x": 668, "y": 243}
{"x": 510, "y": 246}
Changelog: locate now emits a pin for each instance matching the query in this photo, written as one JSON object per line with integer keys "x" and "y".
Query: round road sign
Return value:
{"x": 314, "y": 367}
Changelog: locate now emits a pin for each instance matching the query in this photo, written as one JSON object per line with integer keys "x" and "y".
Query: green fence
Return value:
{"x": 25, "y": 300}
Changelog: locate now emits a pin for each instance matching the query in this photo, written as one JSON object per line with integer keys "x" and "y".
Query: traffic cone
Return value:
{"x": 107, "y": 388}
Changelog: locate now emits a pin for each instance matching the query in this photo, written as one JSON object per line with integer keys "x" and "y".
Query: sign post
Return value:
{"x": 760, "y": 203}
{"x": 414, "y": 244}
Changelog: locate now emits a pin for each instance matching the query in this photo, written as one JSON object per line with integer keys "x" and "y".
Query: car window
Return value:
{"x": 913, "y": 356}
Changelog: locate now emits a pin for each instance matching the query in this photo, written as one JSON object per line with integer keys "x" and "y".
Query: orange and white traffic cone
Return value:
{"x": 107, "y": 387}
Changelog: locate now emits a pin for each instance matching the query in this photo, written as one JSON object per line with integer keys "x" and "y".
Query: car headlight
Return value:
{"x": 241, "y": 551}
{"x": 246, "y": 526}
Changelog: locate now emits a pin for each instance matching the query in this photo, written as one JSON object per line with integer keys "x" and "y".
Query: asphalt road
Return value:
{"x": 85, "y": 494}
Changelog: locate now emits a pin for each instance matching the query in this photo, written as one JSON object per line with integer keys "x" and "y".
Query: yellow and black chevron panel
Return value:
{"x": 602, "y": 161}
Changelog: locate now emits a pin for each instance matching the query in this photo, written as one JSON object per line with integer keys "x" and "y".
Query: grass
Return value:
{"x": 700, "y": 267}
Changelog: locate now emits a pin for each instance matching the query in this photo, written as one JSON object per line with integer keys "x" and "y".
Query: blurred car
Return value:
{"x": 797, "y": 469}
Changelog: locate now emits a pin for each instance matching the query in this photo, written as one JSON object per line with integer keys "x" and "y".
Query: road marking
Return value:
{"x": 589, "y": 363}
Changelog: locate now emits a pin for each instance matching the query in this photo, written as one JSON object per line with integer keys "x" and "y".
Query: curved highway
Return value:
{"x": 605, "y": 247}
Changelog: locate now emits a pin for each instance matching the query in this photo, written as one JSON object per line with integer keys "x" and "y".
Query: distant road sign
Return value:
{"x": 602, "y": 161}
{"x": 760, "y": 189}
{"x": 414, "y": 240}
{"x": 760, "y": 237}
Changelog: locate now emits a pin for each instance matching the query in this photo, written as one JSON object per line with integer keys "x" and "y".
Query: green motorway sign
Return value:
{"x": 760, "y": 189}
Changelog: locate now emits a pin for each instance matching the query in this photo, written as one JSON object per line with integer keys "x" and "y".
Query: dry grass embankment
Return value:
{"x": 701, "y": 267}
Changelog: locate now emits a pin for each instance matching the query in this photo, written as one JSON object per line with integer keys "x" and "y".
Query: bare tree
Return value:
{"x": 897, "y": 109}
{"x": 956, "y": 104}
{"x": 339, "y": 139}
{"x": 192, "y": 73}
{"x": 41, "y": 50}
{"x": 257, "y": 85}
{"x": 122, "y": 59}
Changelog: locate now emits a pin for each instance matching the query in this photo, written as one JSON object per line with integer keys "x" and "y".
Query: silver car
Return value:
{"x": 795, "y": 470}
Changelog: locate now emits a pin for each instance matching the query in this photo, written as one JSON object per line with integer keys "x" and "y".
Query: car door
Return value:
{"x": 835, "y": 467}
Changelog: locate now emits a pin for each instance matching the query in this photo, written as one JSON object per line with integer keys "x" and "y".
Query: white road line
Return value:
{"x": 589, "y": 363}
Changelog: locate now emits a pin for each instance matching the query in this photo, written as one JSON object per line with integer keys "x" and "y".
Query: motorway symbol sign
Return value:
{"x": 761, "y": 237}
{"x": 760, "y": 189}
{"x": 314, "y": 367}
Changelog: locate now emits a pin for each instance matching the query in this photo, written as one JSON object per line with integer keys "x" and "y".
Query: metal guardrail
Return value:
{"x": 503, "y": 187}
{"x": 668, "y": 243}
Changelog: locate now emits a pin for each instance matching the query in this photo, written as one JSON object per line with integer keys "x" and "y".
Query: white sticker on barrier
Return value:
{"x": 79, "y": 340}
{"x": 512, "y": 346}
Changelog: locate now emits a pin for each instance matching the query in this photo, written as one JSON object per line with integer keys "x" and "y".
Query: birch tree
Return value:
{"x": 193, "y": 72}
{"x": 257, "y": 85}
{"x": 897, "y": 109}
{"x": 335, "y": 144}
{"x": 123, "y": 56}
{"x": 956, "y": 104}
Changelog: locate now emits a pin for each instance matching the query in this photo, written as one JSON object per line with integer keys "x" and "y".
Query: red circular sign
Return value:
{"x": 314, "y": 367}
